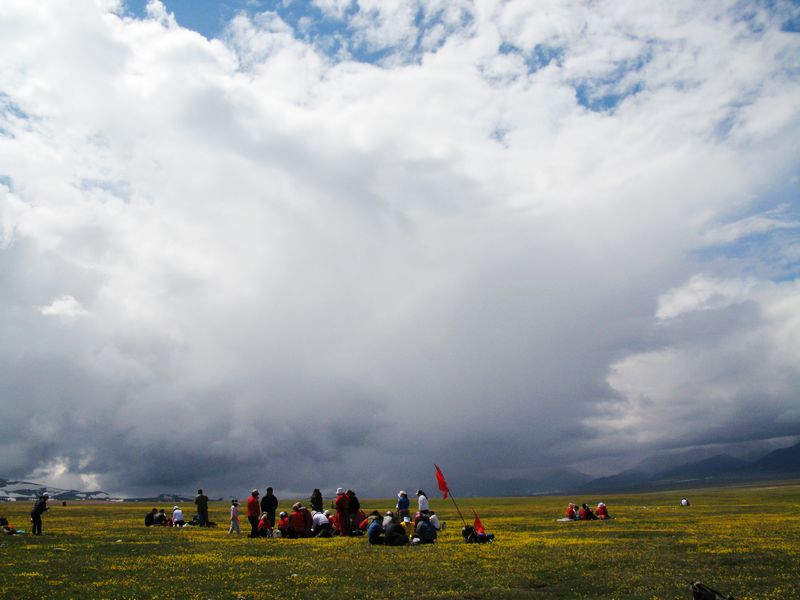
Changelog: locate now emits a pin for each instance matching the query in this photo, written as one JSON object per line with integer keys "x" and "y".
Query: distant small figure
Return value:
{"x": 422, "y": 502}
{"x": 602, "y": 511}
{"x": 571, "y": 514}
{"x": 63, "y": 503}
{"x": 38, "y": 510}
{"x": 585, "y": 513}
{"x": 7, "y": 528}
{"x": 150, "y": 518}
{"x": 253, "y": 511}
{"x": 316, "y": 501}
{"x": 684, "y": 502}
{"x": 321, "y": 525}
{"x": 269, "y": 504}
{"x": 177, "y": 517}
{"x": 202, "y": 508}
{"x": 234, "y": 518}
{"x": 160, "y": 518}
{"x": 402, "y": 504}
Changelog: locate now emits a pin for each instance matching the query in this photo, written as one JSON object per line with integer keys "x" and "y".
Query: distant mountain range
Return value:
{"x": 654, "y": 473}
{"x": 715, "y": 470}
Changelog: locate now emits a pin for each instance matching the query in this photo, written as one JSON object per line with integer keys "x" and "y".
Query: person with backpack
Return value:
{"x": 38, "y": 510}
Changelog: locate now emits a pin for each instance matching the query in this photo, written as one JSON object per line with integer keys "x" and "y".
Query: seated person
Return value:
{"x": 320, "y": 525}
{"x": 283, "y": 524}
{"x": 571, "y": 514}
{"x": 395, "y": 534}
{"x": 409, "y": 526}
{"x": 684, "y": 502}
{"x": 264, "y": 527}
{"x": 425, "y": 532}
{"x": 6, "y": 527}
{"x": 585, "y": 513}
{"x": 150, "y": 518}
{"x": 297, "y": 523}
{"x": 387, "y": 520}
{"x": 160, "y": 518}
{"x": 437, "y": 525}
{"x": 602, "y": 511}
{"x": 177, "y": 517}
{"x": 375, "y": 532}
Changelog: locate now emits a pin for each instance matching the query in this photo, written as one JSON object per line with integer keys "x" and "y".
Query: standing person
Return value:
{"x": 316, "y": 501}
{"x": 354, "y": 506}
{"x": 402, "y": 504}
{"x": 234, "y": 518}
{"x": 202, "y": 507}
{"x": 269, "y": 504}
{"x": 252, "y": 513}
{"x": 342, "y": 506}
{"x": 36, "y": 514}
{"x": 422, "y": 502}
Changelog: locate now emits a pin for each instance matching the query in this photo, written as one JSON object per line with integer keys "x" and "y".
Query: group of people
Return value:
{"x": 344, "y": 518}
{"x": 585, "y": 513}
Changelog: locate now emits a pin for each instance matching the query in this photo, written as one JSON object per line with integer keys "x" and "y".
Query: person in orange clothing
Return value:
{"x": 253, "y": 512}
{"x": 571, "y": 514}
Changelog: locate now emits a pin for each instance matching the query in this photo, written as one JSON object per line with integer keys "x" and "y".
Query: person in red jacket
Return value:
{"x": 342, "y": 506}
{"x": 571, "y": 514}
{"x": 585, "y": 513}
{"x": 602, "y": 511}
{"x": 297, "y": 522}
{"x": 253, "y": 512}
{"x": 283, "y": 524}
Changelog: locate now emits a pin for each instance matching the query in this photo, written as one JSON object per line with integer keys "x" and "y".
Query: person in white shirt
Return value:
{"x": 177, "y": 517}
{"x": 435, "y": 521}
{"x": 422, "y": 501}
{"x": 321, "y": 525}
{"x": 234, "y": 518}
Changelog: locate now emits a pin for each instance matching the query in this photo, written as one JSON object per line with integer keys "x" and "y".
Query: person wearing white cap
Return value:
{"x": 177, "y": 517}
{"x": 342, "y": 506}
{"x": 36, "y": 514}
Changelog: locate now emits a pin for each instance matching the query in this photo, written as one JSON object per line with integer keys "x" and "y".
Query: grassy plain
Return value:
{"x": 743, "y": 541}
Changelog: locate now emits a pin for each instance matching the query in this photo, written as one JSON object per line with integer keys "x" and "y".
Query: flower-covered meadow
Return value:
{"x": 742, "y": 541}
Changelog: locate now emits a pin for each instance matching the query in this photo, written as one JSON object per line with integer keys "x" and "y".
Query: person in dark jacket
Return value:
{"x": 202, "y": 508}
{"x": 425, "y": 532}
{"x": 38, "y": 510}
{"x": 316, "y": 501}
{"x": 269, "y": 504}
{"x": 396, "y": 534}
{"x": 150, "y": 518}
{"x": 354, "y": 506}
{"x": 160, "y": 518}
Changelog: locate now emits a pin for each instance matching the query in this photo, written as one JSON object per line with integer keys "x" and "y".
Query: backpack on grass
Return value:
{"x": 700, "y": 591}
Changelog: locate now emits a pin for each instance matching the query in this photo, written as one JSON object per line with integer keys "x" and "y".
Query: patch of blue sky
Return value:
{"x": 539, "y": 57}
{"x": 606, "y": 93}
{"x": 118, "y": 189}
{"x": 6, "y": 181}
{"x": 332, "y": 35}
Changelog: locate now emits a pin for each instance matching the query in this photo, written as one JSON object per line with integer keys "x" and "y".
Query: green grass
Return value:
{"x": 740, "y": 540}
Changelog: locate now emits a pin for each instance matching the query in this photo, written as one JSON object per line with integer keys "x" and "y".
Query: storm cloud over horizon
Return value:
{"x": 339, "y": 241}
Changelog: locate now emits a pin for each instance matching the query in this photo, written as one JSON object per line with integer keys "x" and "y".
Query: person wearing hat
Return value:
{"x": 321, "y": 526}
{"x": 602, "y": 511}
{"x": 253, "y": 511}
{"x": 342, "y": 506}
{"x": 36, "y": 514}
{"x": 402, "y": 504}
{"x": 177, "y": 517}
{"x": 283, "y": 524}
{"x": 375, "y": 533}
{"x": 234, "y": 518}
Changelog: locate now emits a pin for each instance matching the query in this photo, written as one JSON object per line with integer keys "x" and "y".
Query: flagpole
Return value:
{"x": 458, "y": 509}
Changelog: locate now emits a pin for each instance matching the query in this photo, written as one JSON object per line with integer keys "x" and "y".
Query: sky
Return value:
{"x": 329, "y": 243}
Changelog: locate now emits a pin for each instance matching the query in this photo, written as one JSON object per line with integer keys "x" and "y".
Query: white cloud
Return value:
{"x": 66, "y": 307}
{"x": 446, "y": 239}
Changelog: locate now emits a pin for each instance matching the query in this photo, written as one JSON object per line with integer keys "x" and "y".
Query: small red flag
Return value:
{"x": 477, "y": 524}
{"x": 442, "y": 482}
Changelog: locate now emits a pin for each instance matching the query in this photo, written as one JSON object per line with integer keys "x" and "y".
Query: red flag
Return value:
{"x": 442, "y": 482}
{"x": 477, "y": 524}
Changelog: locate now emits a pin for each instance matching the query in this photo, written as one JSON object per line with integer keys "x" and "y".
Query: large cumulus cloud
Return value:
{"x": 528, "y": 235}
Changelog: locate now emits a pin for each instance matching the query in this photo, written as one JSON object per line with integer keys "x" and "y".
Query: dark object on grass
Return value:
{"x": 700, "y": 591}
